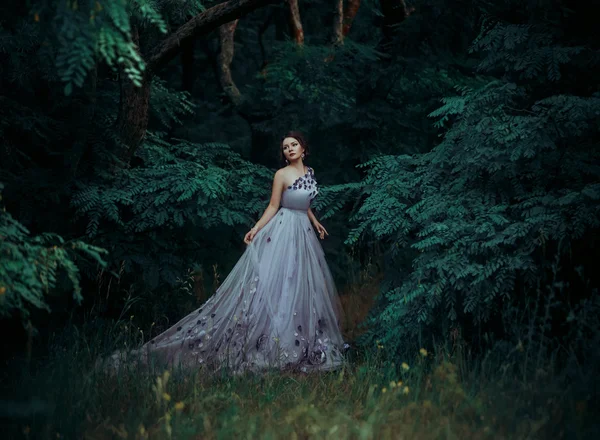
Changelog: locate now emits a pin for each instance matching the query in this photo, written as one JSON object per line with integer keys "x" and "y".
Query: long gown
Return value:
{"x": 277, "y": 308}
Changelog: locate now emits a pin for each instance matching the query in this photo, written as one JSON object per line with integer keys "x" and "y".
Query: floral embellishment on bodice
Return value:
{"x": 306, "y": 182}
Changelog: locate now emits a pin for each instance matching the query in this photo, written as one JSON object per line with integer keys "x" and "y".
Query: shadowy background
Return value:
{"x": 456, "y": 145}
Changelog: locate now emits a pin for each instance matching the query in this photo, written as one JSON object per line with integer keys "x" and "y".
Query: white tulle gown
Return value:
{"x": 277, "y": 308}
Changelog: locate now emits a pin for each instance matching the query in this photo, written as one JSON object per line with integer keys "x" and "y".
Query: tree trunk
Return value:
{"x": 342, "y": 22}
{"x": 133, "y": 115}
{"x": 338, "y": 23}
{"x": 226, "y": 34}
{"x": 349, "y": 15}
{"x": 134, "y": 104}
{"x": 295, "y": 22}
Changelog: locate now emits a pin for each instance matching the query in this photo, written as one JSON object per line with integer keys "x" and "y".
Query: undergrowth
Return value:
{"x": 444, "y": 392}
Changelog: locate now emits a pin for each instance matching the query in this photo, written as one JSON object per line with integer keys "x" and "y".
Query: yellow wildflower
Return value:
{"x": 399, "y": 383}
{"x": 423, "y": 352}
{"x": 2, "y": 290}
{"x": 406, "y": 390}
{"x": 405, "y": 366}
{"x": 384, "y": 390}
{"x": 179, "y": 406}
{"x": 392, "y": 384}
{"x": 166, "y": 396}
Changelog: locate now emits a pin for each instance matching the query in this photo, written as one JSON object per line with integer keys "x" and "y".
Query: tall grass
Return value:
{"x": 424, "y": 397}
{"x": 444, "y": 393}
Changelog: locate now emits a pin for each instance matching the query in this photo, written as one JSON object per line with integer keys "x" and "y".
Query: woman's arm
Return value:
{"x": 318, "y": 226}
{"x": 311, "y": 216}
{"x": 271, "y": 210}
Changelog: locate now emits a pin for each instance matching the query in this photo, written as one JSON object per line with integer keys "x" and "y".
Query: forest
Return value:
{"x": 457, "y": 148}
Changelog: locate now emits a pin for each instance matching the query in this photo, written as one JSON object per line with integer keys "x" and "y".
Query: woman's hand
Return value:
{"x": 320, "y": 230}
{"x": 250, "y": 235}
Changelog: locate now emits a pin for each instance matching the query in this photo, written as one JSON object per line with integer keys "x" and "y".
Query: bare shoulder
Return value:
{"x": 281, "y": 172}
{"x": 280, "y": 177}
{"x": 284, "y": 172}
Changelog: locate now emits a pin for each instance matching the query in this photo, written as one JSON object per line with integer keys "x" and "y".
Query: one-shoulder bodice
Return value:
{"x": 300, "y": 194}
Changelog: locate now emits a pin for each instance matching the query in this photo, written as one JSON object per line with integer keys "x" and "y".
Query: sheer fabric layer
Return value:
{"x": 277, "y": 308}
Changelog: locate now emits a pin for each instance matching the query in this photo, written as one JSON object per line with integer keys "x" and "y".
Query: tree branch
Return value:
{"x": 202, "y": 23}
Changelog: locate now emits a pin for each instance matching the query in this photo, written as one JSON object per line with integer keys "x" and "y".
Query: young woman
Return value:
{"x": 278, "y": 307}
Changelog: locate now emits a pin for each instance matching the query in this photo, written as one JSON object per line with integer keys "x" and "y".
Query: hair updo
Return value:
{"x": 299, "y": 137}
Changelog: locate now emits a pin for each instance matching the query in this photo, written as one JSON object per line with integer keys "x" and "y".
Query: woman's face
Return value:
{"x": 292, "y": 149}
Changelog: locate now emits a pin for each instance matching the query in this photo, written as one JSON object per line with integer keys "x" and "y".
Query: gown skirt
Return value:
{"x": 278, "y": 308}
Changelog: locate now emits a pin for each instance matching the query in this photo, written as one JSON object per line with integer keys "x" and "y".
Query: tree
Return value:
{"x": 499, "y": 214}
{"x": 133, "y": 110}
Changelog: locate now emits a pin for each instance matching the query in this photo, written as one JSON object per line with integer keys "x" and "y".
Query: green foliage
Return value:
{"x": 169, "y": 106}
{"x": 515, "y": 178}
{"x": 310, "y": 87}
{"x": 30, "y": 267}
{"x": 181, "y": 186}
{"x": 87, "y": 33}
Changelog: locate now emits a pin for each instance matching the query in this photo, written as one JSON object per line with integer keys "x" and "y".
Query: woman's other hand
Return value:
{"x": 321, "y": 230}
{"x": 250, "y": 235}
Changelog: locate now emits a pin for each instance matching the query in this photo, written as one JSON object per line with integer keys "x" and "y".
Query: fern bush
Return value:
{"x": 513, "y": 182}
{"x": 178, "y": 208}
{"x": 31, "y": 267}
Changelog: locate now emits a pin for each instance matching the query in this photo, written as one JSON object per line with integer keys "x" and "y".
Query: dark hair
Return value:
{"x": 299, "y": 137}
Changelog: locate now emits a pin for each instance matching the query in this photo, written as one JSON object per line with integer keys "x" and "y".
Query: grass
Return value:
{"x": 442, "y": 394}
{"x": 429, "y": 396}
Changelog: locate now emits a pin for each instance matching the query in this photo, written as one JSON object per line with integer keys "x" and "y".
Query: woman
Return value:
{"x": 278, "y": 307}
